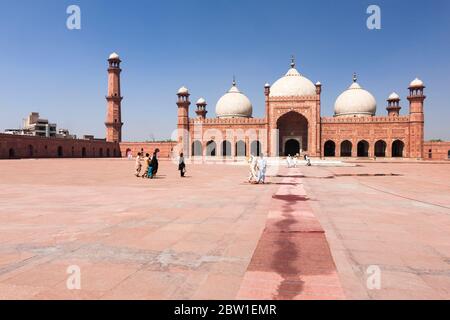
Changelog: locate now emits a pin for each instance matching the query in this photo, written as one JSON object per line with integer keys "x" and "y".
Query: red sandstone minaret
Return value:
{"x": 183, "y": 104}
{"x": 416, "y": 117}
{"x": 113, "y": 116}
{"x": 318, "y": 118}
{"x": 393, "y": 107}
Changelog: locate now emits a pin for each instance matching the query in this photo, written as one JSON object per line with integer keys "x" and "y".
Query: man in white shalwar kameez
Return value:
{"x": 262, "y": 166}
{"x": 253, "y": 174}
{"x": 289, "y": 161}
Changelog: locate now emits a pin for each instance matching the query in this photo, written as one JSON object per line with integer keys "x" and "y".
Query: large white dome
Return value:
{"x": 355, "y": 102}
{"x": 234, "y": 104}
{"x": 293, "y": 84}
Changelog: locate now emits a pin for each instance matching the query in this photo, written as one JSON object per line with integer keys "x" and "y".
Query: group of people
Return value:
{"x": 258, "y": 167}
{"x": 293, "y": 161}
{"x": 147, "y": 165}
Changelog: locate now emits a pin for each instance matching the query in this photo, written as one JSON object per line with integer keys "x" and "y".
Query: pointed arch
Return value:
{"x": 197, "y": 148}
{"x": 363, "y": 149}
{"x": 329, "y": 149}
{"x": 346, "y": 148}
{"x": 211, "y": 148}
{"x": 380, "y": 149}
{"x": 255, "y": 148}
{"x": 397, "y": 149}
{"x": 241, "y": 149}
{"x": 226, "y": 148}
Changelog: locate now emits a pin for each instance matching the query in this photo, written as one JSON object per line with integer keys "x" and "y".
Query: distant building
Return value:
{"x": 64, "y": 133}
{"x": 35, "y": 126}
{"x": 39, "y": 127}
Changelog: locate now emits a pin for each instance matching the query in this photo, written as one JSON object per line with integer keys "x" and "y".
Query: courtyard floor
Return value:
{"x": 310, "y": 233}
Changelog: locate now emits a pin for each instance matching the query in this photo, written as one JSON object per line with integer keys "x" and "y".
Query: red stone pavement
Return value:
{"x": 399, "y": 223}
{"x": 292, "y": 259}
{"x": 213, "y": 236}
{"x": 167, "y": 238}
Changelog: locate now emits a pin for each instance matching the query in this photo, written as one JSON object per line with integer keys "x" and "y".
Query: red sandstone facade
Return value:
{"x": 19, "y": 147}
{"x": 294, "y": 123}
{"x": 166, "y": 149}
{"x": 436, "y": 150}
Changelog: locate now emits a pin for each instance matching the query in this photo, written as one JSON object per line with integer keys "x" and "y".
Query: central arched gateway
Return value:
{"x": 293, "y": 133}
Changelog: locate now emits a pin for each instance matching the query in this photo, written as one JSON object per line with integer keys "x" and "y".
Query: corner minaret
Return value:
{"x": 183, "y": 104}
{"x": 393, "y": 107}
{"x": 114, "y": 99}
{"x": 201, "y": 108}
{"x": 267, "y": 100}
{"x": 416, "y": 118}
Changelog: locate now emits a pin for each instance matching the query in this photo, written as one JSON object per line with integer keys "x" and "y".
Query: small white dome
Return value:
{"x": 318, "y": 83}
{"x": 267, "y": 85}
{"x": 183, "y": 90}
{"x": 394, "y": 96}
{"x": 416, "y": 83}
{"x": 114, "y": 56}
{"x": 234, "y": 104}
{"x": 355, "y": 101}
{"x": 201, "y": 101}
{"x": 293, "y": 84}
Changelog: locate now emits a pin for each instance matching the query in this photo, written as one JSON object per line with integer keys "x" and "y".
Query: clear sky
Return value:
{"x": 61, "y": 73}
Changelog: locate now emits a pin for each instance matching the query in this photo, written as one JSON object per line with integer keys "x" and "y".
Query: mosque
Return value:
{"x": 293, "y": 123}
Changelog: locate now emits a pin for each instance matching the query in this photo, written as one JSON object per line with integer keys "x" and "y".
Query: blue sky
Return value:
{"x": 200, "y": 44}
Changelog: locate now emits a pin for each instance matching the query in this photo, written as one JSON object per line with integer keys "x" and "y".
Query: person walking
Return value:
{"x": 138, "y": 165}
{"x": 146, "y": 161}
{"x": 308, "y": 160}
{"x": 181, "y": 165}
{"x": 254, "y": 169}
{"x": 253, "y": 172}
{"x": 262, "y": 166}
{"x": 289, "y": 161}
{"x": 153, "y": 166}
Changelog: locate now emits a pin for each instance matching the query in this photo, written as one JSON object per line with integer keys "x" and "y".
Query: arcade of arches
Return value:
{"x": 240, "y": 149}
{"x": 28, "y": 147}
{"x": 364, "y": 149}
